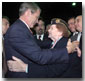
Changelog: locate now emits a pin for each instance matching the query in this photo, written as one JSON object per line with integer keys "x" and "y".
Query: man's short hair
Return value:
{"x": 28, "y": 5}
{"x": 71, "y": 18}
{"x": 5, "y": 17}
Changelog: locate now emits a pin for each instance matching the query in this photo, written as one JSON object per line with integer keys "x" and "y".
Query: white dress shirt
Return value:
{"x": 41, "y": 38}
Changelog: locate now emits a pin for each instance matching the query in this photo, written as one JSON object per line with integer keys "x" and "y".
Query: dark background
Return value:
{"x": 50, "y": 10}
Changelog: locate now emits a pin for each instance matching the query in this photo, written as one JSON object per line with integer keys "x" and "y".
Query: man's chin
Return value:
{"x": 31, "y": 26}
{"x": 40, "y": 33}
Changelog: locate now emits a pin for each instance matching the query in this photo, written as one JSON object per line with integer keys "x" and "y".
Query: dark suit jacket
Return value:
{"x": 75, "y": 66}
{"x": 45, "y": 43}
{"x": 57, "y": 69}
{"x": 20, "y": 42}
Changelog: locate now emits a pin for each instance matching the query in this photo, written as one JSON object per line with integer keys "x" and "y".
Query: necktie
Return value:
{"x": 39, "y": 37}
{"x": 73, "y": 38}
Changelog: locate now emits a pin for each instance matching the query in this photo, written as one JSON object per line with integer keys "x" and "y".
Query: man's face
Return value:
{"x": 40, "y": 28}
{"x": 78, "y": 23}
{"x": 71, "y": 25}
{"x": 5, "y": 25}
{"x": 32, "y": 18}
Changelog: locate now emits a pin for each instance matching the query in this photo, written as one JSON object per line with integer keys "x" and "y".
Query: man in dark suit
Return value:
{"x": 20, "y": 42}
{"x": 78, "y": 24}
{"x": 5, "y": 26}
{"x": 75, "y": 69}
{"x": 71, "y": 26}
{"x": 40, "y": 36}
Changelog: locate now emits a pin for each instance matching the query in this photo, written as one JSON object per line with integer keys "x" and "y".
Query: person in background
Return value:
{"x": 41, "y": 38}
{"x": 5, "y": 26}
{"x": 40, "y": 29}
{"x": 78, "y": 24}
{"x": 75, "y": 69}
{"x": 71, "y": 26}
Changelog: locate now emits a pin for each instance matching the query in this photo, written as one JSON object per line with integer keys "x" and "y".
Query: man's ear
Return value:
{"x": 28, "y": 12}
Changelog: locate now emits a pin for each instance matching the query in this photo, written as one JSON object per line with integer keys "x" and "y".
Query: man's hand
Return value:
{"x": 17, "y": 65}
{"x": 78, "y": 51}
{"x": 71, "y": 46}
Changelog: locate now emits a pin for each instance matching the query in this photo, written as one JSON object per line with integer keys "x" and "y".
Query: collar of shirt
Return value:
{"x": 54, "y": 43}
{"x": 79, "y": 36}
{"x": 75, "y": 33}
{"x": 25, "y": 24}
{"x": 42, "y": 36}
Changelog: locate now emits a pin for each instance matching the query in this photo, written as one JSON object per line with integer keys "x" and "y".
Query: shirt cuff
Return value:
{"x": 26, "y": 69}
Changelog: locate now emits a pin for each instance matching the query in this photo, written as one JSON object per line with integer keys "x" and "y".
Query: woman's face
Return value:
{"x": 54, "y": 33}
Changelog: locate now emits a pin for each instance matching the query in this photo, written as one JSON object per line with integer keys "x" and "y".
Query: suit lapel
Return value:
{"x": 28, "y": 31}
